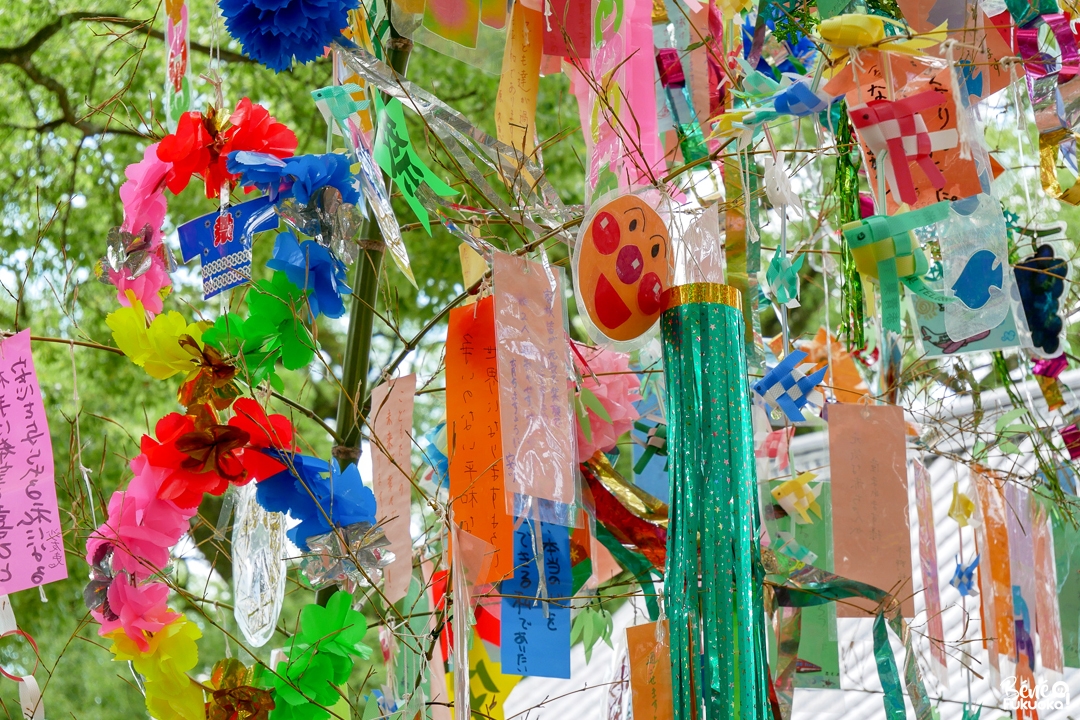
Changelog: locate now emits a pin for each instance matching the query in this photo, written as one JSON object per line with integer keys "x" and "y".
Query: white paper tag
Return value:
{"x": 33, "y": 707}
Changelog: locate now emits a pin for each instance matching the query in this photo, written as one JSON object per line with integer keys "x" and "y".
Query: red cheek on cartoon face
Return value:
{"x": 622, "y": 268}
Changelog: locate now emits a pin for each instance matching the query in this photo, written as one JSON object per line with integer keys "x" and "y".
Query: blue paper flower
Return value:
{"x": 301, "y": 176}
{"x": 306, "y": 493}
{"x": 312, "y": 268}
{"x": 313, "y": 172}
{"x": 275, "y": 32}
{"x": 260, "y": 170}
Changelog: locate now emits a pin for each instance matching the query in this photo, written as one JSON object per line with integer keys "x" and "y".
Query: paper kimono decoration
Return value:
{"x": 622, "y": 268}
{"x": 222, "y": 240}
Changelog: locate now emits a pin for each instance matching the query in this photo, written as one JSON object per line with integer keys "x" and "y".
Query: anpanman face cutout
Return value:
{"x": 622, "y": 267}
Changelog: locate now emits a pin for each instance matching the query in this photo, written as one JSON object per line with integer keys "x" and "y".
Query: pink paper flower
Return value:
{"x": 607, "y": 375}
{"x": 144, "y": 201}
{"x": 137, "y": 609}
{"x": 143, "y": 194}
{"x": 141, "y": 527}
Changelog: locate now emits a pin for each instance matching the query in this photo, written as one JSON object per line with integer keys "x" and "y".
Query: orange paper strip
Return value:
{"x": 994, "y": 570}
{"x": 650, "y": 672}
{"x": 871, "y": 536}
{"x": 473, "y": 435}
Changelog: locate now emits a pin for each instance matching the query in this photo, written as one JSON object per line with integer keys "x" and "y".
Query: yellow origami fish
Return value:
{"x": 796, "y": 497}
{"x": 848, "y": 34}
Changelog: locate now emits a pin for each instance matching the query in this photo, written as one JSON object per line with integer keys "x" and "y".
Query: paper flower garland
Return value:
{"x": 277, "y": 32}
{"x": 201, "y": 144}
{"x": 311, "y": 267}
{"x": 306, "y": 494}
{"x": 164, "y": 662}
{"x": 605, "y": 402}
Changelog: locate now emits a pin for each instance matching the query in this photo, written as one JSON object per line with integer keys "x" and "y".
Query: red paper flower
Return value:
{"x": 192, "y": 150}
{"x": 201, "y": 145}
{"x": 264, "y": 433}
{"x": 189, "y": 476}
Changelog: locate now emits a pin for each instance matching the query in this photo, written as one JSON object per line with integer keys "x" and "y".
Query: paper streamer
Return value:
{"x": 390, "y": 420}
{"x": 474, "y": 433}
{"x": 515, "y": 104}
{"x": 995, "y": 579}
{"x": 1018, "y": 522}
{"x": 871, "y": 541}
{"x": 177, "y": 52}
{"x": 650, "y": 671}
{"x": 712, "y": 547}
{"x": 536, "y": 415}
{"x": 1067, "y": 565}
{"x": 924, "y": 505}
{"x": 1047, "y": 613}
{"x": 536, "y": 630}
{"x": 31, "y": 539}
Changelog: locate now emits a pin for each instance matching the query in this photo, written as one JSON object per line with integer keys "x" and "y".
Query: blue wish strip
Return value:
{"x": 224, "y": 244}
{"x": 536, "y": 633}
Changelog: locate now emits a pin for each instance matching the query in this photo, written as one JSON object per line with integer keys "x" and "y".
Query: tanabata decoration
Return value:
{"x": 605, "y": 399}
{"x": 1041, "y": 281}
{"x": 885, "y": 249}
{"x": 963, "y": 578}
{"x": 622, "y": 260}
{"x": 277, "y": 34}
{"x": 202, "y": 143}
{"x": 714, "y": 497}
{"x": 787, "y": 388}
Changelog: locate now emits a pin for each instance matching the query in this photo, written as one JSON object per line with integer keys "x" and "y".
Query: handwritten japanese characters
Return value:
{"x": 537, "y": 418}
{"x": 31, "y": 540}
{"x": 536, "y": 631}
{"x": 474, "y": 434}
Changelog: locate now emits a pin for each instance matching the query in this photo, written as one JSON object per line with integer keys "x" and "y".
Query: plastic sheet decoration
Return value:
{"x": 259, "y": 568}
{"x": 347, "y": 557}
{"x": 714, "y": 496}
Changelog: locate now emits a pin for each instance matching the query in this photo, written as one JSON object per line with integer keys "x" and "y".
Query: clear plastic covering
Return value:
{"x": 258, "y": 556}
{"x": 537, "y": 418}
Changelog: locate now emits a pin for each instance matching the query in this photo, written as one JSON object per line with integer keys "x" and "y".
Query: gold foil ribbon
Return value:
{"x": 702, "y": 293}
{"x": 633, "y": 498}
{"x": 1049, "y": 145}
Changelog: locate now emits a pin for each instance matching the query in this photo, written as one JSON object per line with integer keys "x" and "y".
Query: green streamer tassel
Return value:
{"x": 847, "y": 198}
{"x": 713, "y": 574}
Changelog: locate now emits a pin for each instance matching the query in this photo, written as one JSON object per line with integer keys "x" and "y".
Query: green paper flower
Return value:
{"x": 275, "y": 308}
{"x": 336, "y": 629}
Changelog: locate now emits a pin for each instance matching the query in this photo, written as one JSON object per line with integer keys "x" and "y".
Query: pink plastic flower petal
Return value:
{"x": 139, "y": 609}
{"x": 609, "y": 377}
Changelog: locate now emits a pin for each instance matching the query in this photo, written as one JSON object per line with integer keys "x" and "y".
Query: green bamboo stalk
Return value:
{"x": 353, "y": 399}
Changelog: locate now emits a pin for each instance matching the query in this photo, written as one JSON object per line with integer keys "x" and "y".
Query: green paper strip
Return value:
{"x": 635, "y": 564}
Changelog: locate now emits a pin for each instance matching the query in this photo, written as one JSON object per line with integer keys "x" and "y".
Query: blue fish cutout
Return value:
{"x": 982, "y": 272}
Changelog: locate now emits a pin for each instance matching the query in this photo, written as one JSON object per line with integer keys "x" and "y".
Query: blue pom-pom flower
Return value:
{"x": 300, "y": 176}
{"x": 309, "y": 496}
{"x": 314, "y": 269}
{"x": 275, "y": 32}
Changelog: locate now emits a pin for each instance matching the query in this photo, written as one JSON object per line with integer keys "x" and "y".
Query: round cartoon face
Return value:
{"x": 622, "y": 267}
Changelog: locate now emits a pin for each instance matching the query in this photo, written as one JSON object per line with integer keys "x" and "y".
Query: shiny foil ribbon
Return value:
{"x": 713, "y": 571}
{"x": 794, "y": 584}
{"x": 1055, "y": 99}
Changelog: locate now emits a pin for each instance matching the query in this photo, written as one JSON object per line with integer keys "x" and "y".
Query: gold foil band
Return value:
{"x": 702, "y": 293}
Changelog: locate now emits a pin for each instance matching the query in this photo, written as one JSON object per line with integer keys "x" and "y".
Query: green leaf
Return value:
{"x": 593, "y": 403}
{"x": 583, "y": 419}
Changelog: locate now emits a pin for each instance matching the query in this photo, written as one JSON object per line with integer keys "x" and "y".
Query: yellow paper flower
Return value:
{"x": 172, "y": 652}
{"x": 155, "y": 348}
